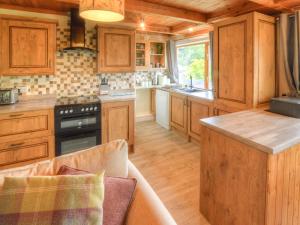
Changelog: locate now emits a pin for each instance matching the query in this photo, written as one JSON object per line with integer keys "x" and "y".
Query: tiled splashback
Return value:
{"x": 75, "y": 71}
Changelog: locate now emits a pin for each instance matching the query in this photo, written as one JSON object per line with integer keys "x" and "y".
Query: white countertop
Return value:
{"x": 116, "y": 96}
{"x": 266, "y": 131}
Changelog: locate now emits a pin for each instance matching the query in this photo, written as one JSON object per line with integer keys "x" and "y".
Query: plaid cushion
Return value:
{"x": 49, "y": 200}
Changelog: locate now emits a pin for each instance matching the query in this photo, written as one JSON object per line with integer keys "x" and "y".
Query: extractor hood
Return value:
{"x": 77, "y": 33}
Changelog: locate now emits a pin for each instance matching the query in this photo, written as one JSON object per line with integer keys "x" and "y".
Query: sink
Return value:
{"x": 190, "y": 90}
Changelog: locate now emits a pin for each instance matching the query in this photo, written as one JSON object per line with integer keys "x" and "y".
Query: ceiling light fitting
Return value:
{"x": 102, "y": 10}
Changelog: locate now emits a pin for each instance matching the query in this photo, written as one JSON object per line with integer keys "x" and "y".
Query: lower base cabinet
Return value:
{"x": 26, "y": 137}
{"x": 178, "y": 112}
{"x": 197, "y": 109}
{"x": 186, "y": 112}
{"x": 118, "y": 122}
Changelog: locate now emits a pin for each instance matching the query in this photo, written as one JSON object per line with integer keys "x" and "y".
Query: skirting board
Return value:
{"x": 145, "y": 118}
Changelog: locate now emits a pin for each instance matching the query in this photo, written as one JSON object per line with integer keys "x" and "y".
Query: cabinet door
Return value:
{"x": 25, "y": 151}
{"x": 116, "y": 52}
{"x": 153, "y": 101}
{"x": 118, "y": 121}
{"x": 27, "y": 47}
{"x": 233, "y": 61}
{"x": 26, "y": 125}
{"x": 197, "y": 110}
{"x": 178, "y": 112}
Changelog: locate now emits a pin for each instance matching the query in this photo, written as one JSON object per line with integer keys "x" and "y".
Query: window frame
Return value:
{"x": 207, "y": 63}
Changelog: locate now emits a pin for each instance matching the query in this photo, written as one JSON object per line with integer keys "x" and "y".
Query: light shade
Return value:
{"x": 102, "y": 10}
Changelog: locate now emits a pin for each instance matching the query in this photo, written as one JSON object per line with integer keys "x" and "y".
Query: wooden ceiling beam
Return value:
{"x": 182, "y": 27}
{"x": 133, "y": 20}
{"x": 198, "y": 33}
{"x": 141, "y": 6}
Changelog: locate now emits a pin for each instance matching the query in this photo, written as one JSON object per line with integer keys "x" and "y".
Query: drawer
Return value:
{"x": 25, "y": 150}
{"x": 26, "y": 122}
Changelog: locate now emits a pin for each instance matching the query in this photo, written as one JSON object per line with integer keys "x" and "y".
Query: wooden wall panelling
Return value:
{"x": 28, "y": 46}
{"x": 116, "y": 50}
{"x": 233, "y": 181}
{"x": 283, "y": 194}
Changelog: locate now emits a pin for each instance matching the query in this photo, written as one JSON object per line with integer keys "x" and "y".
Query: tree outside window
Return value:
{"x": 193, "y": 62}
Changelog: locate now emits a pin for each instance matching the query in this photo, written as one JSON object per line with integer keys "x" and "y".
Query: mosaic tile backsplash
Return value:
{"x": 75, "y": 71}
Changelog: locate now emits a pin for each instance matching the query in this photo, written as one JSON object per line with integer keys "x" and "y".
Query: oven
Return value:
{"x": 77, "y": 128}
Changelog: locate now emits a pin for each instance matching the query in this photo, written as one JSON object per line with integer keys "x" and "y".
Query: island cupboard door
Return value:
{"x": 178, "y": 111}
{"x": 27, "y": 46}
{"x": 233, "y": 61}
{"x": 118, "y": 121}
{"x": 197, "y": 110}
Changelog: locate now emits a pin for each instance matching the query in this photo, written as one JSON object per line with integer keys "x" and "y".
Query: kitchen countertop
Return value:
{"x": 117, "y": 96}
{"x": 30, "y": 104}
{"x": 266, "y": 131}
{"x": 205, "y": 95}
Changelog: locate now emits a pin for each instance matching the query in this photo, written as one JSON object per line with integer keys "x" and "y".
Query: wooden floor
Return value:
{"x": 172, "y": 167}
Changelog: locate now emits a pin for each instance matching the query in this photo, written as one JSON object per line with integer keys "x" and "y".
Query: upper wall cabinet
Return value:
{"x": 116, "y": 50}
{"x": 244, "y": 61}
{"x": 27, "y": 46}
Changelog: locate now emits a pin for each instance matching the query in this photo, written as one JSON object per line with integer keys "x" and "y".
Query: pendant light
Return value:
{"x": 102, "y": 10}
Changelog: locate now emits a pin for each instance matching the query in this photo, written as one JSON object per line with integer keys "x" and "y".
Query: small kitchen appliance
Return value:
{"x": 8, "y": 96}
{"x": 77, "y": 124}
{"x": 288, "y": 106}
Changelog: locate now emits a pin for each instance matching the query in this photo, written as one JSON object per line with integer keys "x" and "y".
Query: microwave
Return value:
{"x": 8, "y": 96}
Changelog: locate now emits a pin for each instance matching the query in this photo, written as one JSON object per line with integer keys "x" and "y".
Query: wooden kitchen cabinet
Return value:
{"x": 197, "y": 109}
{"x": 178, "y": 111}
{"x": 116, "y": 50}
{"x": 118, "y": 122}
{"x": 26, "y": 137}
{"x": 244, "y": 62}
{"x": 153, "y": 101}
{"x": 27, "y": 46}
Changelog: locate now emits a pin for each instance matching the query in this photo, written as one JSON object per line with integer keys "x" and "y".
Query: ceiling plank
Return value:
{"x": 272, "y": 4}
{"x": 234, "y": 11}
{"x": 157, "y": 9}
{"x": 31, "y": 9}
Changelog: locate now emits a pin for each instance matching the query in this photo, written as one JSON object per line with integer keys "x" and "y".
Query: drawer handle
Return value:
{"x": 16, "y": 115}
{"x": 17, "y": 144}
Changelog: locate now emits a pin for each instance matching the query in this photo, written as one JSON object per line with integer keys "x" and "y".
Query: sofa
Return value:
{"x": 146, "y": 208}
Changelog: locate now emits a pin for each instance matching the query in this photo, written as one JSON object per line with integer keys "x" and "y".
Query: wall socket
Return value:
{"x": 23, "y": 89}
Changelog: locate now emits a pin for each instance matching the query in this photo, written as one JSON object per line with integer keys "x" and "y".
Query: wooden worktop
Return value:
{"x": 268, "y": 132}
{"x": 30, "y": 104}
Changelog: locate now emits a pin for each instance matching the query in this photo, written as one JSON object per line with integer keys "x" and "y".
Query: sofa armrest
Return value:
{"x": 147, "y": 208}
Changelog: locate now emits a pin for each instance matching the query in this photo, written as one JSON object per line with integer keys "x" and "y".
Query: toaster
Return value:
{"x": 8, "y": 96}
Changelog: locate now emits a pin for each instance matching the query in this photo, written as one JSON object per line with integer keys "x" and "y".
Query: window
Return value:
{"x": 193, "y": 62}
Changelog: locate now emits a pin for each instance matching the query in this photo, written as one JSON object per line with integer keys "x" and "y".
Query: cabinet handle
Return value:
{"x": 214, "y": 112}
{"x": 17, "y": 144}
{"x": 16, "y": 115}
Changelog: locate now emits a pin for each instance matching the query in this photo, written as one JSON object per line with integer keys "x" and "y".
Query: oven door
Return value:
{"x": 66, "y": 144}
{"x": 77, "y": 123}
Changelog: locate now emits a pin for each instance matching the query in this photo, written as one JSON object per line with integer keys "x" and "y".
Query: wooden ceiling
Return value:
{"x": 168, "y": 16}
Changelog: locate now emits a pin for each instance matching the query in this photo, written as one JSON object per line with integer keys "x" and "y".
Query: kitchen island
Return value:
{"x": 250, "y": 169}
